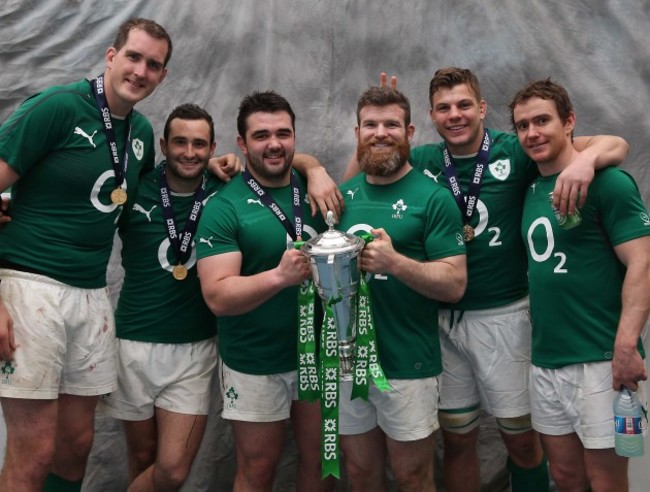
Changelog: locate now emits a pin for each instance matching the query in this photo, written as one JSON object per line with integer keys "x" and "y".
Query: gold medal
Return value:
{"x": 468, "y": 233}
{"x": 118, "y": 196}
{"x": 179, "y": 272}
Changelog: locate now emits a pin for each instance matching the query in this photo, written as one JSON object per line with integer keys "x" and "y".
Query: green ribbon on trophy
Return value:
{"x": 366, "y": 359}
{"x": 308, "y": 384}
{"x": 329, "y": 403}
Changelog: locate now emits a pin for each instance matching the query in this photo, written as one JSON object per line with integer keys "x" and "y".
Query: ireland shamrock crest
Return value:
{"x": 232, "y": 395}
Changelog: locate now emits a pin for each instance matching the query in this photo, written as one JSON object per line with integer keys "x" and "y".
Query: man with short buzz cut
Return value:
{"x": 416, "y": 260}
{"x": 589, "y": 277}
{"x": 485, "y": 337}
{"x": 250, "y": 276}
{"x": 68, "y": 191}
{"x": 166, "y": 350}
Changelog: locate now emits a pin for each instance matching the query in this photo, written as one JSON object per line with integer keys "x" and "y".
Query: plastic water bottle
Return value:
{"x": 628, "y": 424}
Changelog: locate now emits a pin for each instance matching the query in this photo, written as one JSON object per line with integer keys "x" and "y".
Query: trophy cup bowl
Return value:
{"x": 333, "y": 260}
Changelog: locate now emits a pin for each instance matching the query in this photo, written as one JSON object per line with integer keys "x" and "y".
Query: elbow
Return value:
{"x": 625, "y": 147}
{"x": 215, "y": 303}
{"x": 214, "y": 306}
{"x": 457, "y": 290}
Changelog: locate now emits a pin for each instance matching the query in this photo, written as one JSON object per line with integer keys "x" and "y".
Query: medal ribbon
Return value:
{"x": 329, "y": 400}
{"x": 467, "y": 206}
{"x": 308, "y": 387}
{"x": 105, "y": 113}
{"x": 181, "y": 242}
{"x": 294, "y": 231}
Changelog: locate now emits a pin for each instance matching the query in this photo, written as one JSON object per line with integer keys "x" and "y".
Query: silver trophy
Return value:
{"x": 333, "y": 259}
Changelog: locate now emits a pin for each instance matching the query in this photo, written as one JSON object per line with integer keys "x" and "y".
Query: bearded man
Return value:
{"x": 416, "y": 260}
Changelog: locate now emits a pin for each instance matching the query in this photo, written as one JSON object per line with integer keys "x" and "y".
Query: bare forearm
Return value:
{"x": 305, "y": 163}
{"x": 627, "y": 366}
{"x": 442, "y": 280}
{"x": 635, "y": 305}
{"x": 236, "y": 295}
{"x": 603, "y": 150}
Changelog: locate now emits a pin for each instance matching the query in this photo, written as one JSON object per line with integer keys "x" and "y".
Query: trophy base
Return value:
{"x": 346, "y": 361}
{"x": 346, "y": 376}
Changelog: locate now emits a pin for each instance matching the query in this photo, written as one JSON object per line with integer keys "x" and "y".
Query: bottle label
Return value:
{"x": 628, "y": 425}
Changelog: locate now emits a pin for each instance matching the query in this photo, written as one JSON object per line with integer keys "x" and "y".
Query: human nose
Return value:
{"x": 380, "y": 131}
{"x": 190, "y": 150}
{"x": 454, "y": 112}
{"x": 274, "y": 142}
{"x": 531, "y": 131}
{"x": 140, "y": 68}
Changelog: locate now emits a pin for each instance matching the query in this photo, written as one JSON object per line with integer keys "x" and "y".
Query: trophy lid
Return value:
{"x": 332, "y": 241}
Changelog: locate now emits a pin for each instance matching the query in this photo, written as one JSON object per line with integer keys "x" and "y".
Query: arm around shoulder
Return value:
{"x": 603, "y": 150}
{"x": 322, "y": 191}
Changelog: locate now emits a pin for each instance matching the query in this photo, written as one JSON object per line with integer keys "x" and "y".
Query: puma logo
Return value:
{"x": 258, "y": 201}
{"x": 206, "y": 241}
{"x": 352, "y": 193}
{"x": 205, "y": 200}
{"x": 431, "y": 175}
{"x": 79, "y": 131}
{"x": 138, "y": 208}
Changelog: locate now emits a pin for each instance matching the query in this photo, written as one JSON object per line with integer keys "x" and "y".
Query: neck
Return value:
{"x": 272, "y": 182}
{"x": 180, "y": 185}
{"x": 117, "y": 107}
{"x": 385, "y": 180}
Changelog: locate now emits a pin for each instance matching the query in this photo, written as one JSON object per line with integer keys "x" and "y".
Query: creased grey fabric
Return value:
{"x": 321, "y": 54}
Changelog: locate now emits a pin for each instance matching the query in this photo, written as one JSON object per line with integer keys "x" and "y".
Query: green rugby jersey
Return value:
{"x": 496, "y": 258}
{"x": 63, "y": 220}
{"x": 575, "y": 276}
{"x": 153, "y": 305}
{"x": 262, "y": 341}
{"x": 424, "y": 224}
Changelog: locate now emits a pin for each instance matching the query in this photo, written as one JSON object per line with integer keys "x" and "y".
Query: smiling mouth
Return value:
{"x": 456, "y": 128}
{"x": 536, "y": 146}
{"x": 135, "y": 85}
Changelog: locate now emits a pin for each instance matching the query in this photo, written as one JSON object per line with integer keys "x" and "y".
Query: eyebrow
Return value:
{"x": 149, "y": 59}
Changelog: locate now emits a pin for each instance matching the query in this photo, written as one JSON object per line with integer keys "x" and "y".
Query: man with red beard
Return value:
{"x": 417, "y": 256}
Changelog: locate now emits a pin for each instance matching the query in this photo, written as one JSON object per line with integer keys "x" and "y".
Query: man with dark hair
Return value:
{"x": 250, "y": 276}
{"x": 166, "y": 351}
{"x": 485, "y": 337}
{"x": 72, "y": 155}
{"x": 416, "y": 260}
{"x": 589, "y": 277}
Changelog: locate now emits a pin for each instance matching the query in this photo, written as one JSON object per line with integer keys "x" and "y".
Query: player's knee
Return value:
{"x": 172, "y": 475}
{"x": 78, "y": 446}
{"x": 567, "y": 477}
{"x": 258, "y": 472}
{"x": 141, "y": 459}
{"x": 419, "y": 477}
{"x": 459, "y": 422}
{"x": 515, "y": 425}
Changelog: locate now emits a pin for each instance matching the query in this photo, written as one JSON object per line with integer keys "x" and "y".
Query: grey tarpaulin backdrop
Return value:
{"x": 322, "y": 53}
